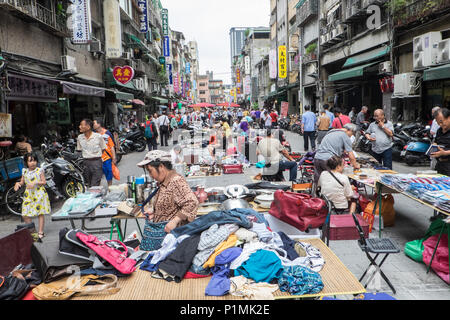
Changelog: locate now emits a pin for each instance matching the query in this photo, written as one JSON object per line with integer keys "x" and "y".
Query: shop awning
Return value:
{"x": 135, "y": 42}
{"x": 160, "y": 99}
{"x": 366, "y": 57}
{"x": 441, "y": 72}
{"x": 350, "y": 73}
{"x": 82, "y": 89}
{"x": 138, "y": 102}
{"x": 125, "y": 96}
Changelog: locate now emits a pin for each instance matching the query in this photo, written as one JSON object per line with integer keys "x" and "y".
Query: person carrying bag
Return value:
{"x": 164, "y": 129}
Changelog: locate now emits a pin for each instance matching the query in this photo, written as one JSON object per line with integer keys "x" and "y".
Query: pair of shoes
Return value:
{"x": 41, "y": 235}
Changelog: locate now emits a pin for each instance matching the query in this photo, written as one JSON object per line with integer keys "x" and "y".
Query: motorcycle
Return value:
{"x": 363, "y": 144}
{"x": 414, "y": 152}
{"x": 132, "y": 141}
{"x": 62, "y": 181}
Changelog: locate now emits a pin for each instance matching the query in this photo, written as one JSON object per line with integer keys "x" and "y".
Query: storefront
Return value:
{"x": 32, "y": 101}
{"x": 435, "y": 89}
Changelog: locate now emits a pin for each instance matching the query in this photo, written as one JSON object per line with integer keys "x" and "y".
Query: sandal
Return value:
{"x": 41, "y": 235}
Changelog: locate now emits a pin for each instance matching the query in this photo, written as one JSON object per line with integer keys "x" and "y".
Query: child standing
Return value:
{"x": 35, "y": 199}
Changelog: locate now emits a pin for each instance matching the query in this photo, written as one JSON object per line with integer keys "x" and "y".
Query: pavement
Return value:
{"x": 409, "y": 277}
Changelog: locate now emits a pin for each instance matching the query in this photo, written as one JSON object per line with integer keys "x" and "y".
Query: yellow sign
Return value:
{"x": 282, "y": 62}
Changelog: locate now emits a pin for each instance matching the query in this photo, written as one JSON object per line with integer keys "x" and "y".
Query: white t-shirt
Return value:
{"x": 268, "y": 120}
{"x": 336, "y": 193}
{"x": 163, "y": 120}
{"x": 270, "y": 148}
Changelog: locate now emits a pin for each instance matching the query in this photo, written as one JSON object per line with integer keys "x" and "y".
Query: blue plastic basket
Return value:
{"x": 13, "y": 167}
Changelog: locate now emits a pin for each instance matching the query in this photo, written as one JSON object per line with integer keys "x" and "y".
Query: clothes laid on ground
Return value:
{"x": 261, "y": 266}
{"x": 209, "y": 240}
{"x": 289, "y": 246}
{"x": 216, "y": 217}
{"x": 299, "y": 280}
{"x": 220, "y": 283}
{"x": 175, "y": 266}
{"x": 228, "y": 243}
{"x": 249, "y": 289}
{"x": 245, "y": 235}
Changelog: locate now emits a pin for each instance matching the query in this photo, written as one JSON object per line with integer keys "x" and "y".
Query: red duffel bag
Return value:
{"x": 298, "y": 209}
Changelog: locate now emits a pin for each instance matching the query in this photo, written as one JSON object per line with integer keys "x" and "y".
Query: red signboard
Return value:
{"x": 123, "y": 74}
{"x": 284, "y": 109}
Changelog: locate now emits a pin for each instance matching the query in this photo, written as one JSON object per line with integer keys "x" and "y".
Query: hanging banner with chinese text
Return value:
{"x": 113, "y": 32}
{"x": 282, "y": 62}
{"x": 81, "y": 22}
{"x": 143, "y": 20}
{"x": 165, "y": 21}
{"x": 273, "y": 64}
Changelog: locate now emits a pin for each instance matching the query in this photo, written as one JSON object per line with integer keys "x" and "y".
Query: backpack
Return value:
{"x": 148, "y": 133}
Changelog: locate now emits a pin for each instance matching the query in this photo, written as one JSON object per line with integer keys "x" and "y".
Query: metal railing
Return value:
{"x": 40, "y": 13}
{"x": 418, "y": 10}
{"x": 306, "y": 10}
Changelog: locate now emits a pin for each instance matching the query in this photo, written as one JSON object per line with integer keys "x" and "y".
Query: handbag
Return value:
{"x": 53, "y": 265}
{"x": 117, "y": 258}
{"x": 154, "y": 235}
{"x": 76, "y": 285}
{"x": 298, "y": 209}
{"x": 12, "y": 288}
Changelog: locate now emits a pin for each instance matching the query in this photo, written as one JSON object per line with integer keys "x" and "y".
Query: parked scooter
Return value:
{"x": 414, "y": 152}
{"x": 363, "y": 144}
{"x": 132, "y": 141}
{"x": 63, "y": 181}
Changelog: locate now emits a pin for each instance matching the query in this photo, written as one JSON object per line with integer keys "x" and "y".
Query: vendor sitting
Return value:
{"x": 336, "y": 186}
{"x": 177, "y": 154}
{"x": 174, "y": 202}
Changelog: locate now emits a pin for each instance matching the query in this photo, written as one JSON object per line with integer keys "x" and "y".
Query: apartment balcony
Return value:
{"x": 366, "y": 3}
{"x": 306, "y": 9}
{"x": 31, "y": 11}
{"x": 416, "y": 11}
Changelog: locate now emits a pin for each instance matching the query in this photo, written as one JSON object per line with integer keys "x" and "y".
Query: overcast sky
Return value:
{"x": 209, "y": 21}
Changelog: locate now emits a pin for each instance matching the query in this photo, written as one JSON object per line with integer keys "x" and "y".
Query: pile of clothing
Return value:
{"x": 242, "y": 254}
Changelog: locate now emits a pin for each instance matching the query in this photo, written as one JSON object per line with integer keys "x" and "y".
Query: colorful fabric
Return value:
{"x": 220, "y": 283}
{"x": 262, "y": 266}
{"x": 230, "y": 242}
{"x": 299, "y": 280}
{"x": 35, "y": 200}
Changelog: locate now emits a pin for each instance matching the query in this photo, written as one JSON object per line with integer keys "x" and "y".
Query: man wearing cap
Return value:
{"x": 174, "y": 202}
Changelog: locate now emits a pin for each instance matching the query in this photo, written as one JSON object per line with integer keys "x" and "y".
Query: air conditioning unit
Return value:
{"x": 68, "y": 63}
{"x": 405, "y": 84}
{"x": 95, "y": 46}
{"x": 443, "y": 51}
{"x": 133, "y": 64}
{"x": 126, "y": 55}
{"x": 426, "y": 40}
{"x": 385, "y": 67}
{"x": 423, "y": 59}
{"x": 139, "y": 84}
{"x": 323, "y": 39}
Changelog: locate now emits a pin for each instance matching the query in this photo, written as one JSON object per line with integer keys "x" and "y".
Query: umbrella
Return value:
{"x": 202, "y": 105}
{"x": 139, "y": 102}
{"x": 228, "y": 105}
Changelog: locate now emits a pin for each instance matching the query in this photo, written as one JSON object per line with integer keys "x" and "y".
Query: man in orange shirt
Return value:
{"x": 109, "y": 154}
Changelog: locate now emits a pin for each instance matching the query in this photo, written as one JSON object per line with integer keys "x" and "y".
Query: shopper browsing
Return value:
{"x": 336, "y": 186}
{"x": 35, "y": 198}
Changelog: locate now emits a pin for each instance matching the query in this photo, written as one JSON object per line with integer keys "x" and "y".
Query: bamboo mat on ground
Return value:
{"x": 337, "y": 279}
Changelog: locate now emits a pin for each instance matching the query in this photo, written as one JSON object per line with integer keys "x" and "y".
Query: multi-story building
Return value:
{"x": 257, "y": 46}
{"x": 193, "y": 49}
{"x": 216, "y": 91}
{"x": 420, "y": 60}
{"x": 203, "y": 89}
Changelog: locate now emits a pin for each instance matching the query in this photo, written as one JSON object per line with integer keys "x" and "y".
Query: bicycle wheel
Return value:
{"x": 14, "y": 199}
